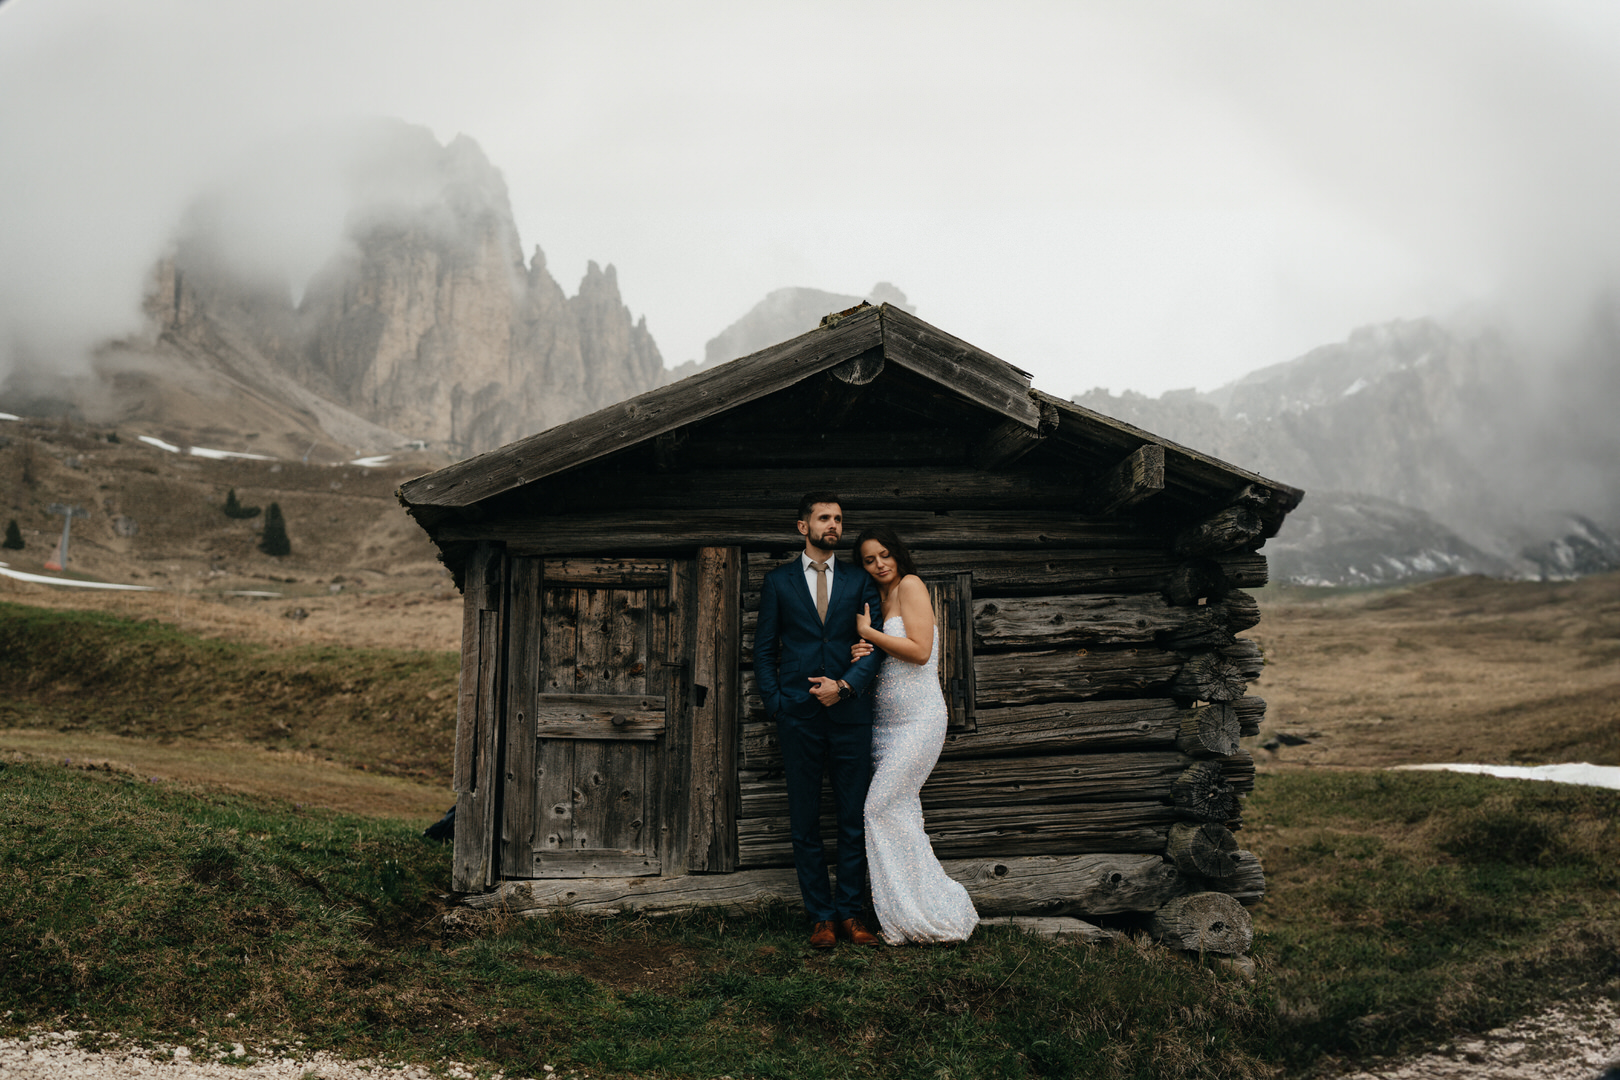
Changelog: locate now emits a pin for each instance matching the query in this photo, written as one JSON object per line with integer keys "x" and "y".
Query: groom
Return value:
{"x": 823, "y": 714}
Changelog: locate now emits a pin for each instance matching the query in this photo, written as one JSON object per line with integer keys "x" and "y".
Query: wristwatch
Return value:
{"x": 845, "y": 690}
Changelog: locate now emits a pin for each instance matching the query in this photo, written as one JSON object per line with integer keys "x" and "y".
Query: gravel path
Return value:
{"x": 1573, "y": 1041}
{"x": 57, "y": 1055}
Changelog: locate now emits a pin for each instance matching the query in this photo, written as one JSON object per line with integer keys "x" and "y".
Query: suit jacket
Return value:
{"x": 792, "y": 644}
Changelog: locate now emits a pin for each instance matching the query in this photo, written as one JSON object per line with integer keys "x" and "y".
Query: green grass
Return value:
{"x": 391, "y": 711}
{"x": 1403, "y": 907}
{"x": 1407, "y": 906}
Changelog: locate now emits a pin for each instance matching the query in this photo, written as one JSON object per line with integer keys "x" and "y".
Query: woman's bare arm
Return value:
{"x": 917, "y": 613}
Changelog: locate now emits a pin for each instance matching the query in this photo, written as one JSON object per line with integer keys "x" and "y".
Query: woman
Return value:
{"x": 913, "y": 898}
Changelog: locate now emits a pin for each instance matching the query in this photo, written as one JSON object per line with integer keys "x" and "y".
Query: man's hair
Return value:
{"x": 808, "y": 503}
{"x": 891, "y": 540}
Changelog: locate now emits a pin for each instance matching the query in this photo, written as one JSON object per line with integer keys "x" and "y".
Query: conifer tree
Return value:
{"x": 274, "y": 541}
{"x": 234, "y": 509}
{"x": 14, "y": 540}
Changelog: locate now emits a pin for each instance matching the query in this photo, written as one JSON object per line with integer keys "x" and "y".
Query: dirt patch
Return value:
{"x": 299, "y": 778}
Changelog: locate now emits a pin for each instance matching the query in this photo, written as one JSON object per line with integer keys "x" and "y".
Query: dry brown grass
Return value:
{"x": 1465, "y": 669}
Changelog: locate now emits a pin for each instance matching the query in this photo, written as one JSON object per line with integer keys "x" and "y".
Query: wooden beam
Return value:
{"x": 1109, "y": 619}
{"x": 993, "y": 784}
{"x": 646, "y": 531}
{"x": 1232, "y": 529}
{"x": 1045, "y": 572}
{"x": 965, "y": 370}
{"x": 1140, "y": 476}
{"x": 935, "y": 487}
{"x": 1049, "y": 885}
{"x": 860, "y": 370}
{"x": 1012, "y": 439}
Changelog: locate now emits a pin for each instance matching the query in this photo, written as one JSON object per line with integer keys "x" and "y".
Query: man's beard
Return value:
{"x": 823, "y": 543}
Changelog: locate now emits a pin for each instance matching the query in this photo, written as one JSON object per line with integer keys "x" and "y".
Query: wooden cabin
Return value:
{"x": 612, "y": 751}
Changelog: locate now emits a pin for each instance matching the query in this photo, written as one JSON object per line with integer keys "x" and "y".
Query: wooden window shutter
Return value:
{"x": 952, "y": 598}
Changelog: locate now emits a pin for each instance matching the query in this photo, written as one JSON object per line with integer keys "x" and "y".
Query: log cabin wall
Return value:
{"x": 1090, "y": 581}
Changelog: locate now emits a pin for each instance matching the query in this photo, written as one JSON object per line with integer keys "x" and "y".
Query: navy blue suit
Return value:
{"x": 791, "y": 645}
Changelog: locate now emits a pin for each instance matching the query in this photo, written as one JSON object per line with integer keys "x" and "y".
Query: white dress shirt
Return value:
{"x": 810, "y": 574}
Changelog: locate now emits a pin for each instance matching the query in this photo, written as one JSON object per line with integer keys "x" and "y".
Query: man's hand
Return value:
{"x": 824, "y": 690}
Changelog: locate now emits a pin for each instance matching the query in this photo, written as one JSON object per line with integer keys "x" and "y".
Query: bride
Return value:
{"x": 913, "y": 898}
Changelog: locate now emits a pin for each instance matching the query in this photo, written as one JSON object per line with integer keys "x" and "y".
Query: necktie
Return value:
{"x": 821, "y": 588}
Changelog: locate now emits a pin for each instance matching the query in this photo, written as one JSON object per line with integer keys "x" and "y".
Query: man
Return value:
{"x": 823, "y": 714}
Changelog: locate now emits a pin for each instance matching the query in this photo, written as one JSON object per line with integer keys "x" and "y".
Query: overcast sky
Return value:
{"x": 1130, "y": 195}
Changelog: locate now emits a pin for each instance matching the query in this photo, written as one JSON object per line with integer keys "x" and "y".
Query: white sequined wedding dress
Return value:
{"x": 913, "y": 898}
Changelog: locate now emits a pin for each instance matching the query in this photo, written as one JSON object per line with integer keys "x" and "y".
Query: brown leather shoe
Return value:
{"x": 821, "y": 935}
{"x": 856, "y": 934}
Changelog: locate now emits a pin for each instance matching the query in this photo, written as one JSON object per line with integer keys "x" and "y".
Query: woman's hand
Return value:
{"x": 863, "y": 624}
{"x": 860, "y": 649}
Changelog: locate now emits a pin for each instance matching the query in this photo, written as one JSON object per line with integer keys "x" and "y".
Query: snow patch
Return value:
{"x": 375, "y": 462}
{"x": 8, "y": 416}
{"x": 1606, "y": 776}
{"x": 18, "y": 575}
{"x": 220, "y": 455}
{"x": 159, "y": 443}
{"x": 1356, "y": 387}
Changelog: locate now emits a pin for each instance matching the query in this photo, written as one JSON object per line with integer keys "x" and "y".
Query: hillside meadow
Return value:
{"x": 212, "y": 832}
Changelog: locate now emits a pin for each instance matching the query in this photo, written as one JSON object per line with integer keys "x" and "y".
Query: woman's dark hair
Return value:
{"x": 891, "y": 540}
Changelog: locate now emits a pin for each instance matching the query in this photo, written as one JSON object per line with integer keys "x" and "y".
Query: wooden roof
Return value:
{"x": 858, "y": 345}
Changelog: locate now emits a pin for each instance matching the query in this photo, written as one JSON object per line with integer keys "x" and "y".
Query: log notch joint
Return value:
{"x": 1140, "y": 476}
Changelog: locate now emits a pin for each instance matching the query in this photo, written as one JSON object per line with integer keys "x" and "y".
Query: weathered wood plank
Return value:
{"x": 673, "y": 765}
{"x": 1026, "y": 678}
{"x": 478, "y": 733}
{"x": 1140, "y": 476}
{"x": 650, "y": 530}
{"x": 1037, "y": 885}
{"x": 1055, "y": 728}
{"x": 1006, "y": 572}
{"x": 864, "y": 491}
{"x": 1083, "y": 828}
{"x": 1230, "y": 529}
{"x": 1056, "y": 926}
{"x": 1251, "y": 711}
{"x": 593, "y": 863}
{"x": 994, "y": 784}
{"x": 647, "y": 415}
{"x": 1109, "y": 619}
{"x": 968, "y": 370}
{"x": 1034, "y": 886}
{"x": 712, "y": 792}
{"x": 602, "y": 573}
{"x": 718, "y": 446}
{"x": 525, "y": 643}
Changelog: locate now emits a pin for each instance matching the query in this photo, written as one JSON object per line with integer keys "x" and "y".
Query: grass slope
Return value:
{"x": 391, "y": 711}
{"x": 1403, "y": 907}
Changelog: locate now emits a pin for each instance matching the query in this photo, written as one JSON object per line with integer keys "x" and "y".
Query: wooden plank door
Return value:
{"x": 622, "y": 717}
{"x": 592, "y": 691}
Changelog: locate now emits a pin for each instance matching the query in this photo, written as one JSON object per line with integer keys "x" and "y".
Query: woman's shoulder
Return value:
{"x": 911, "y": 587}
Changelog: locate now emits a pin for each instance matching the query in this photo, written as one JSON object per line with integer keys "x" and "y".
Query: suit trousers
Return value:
{"x": 844, "y": 752}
